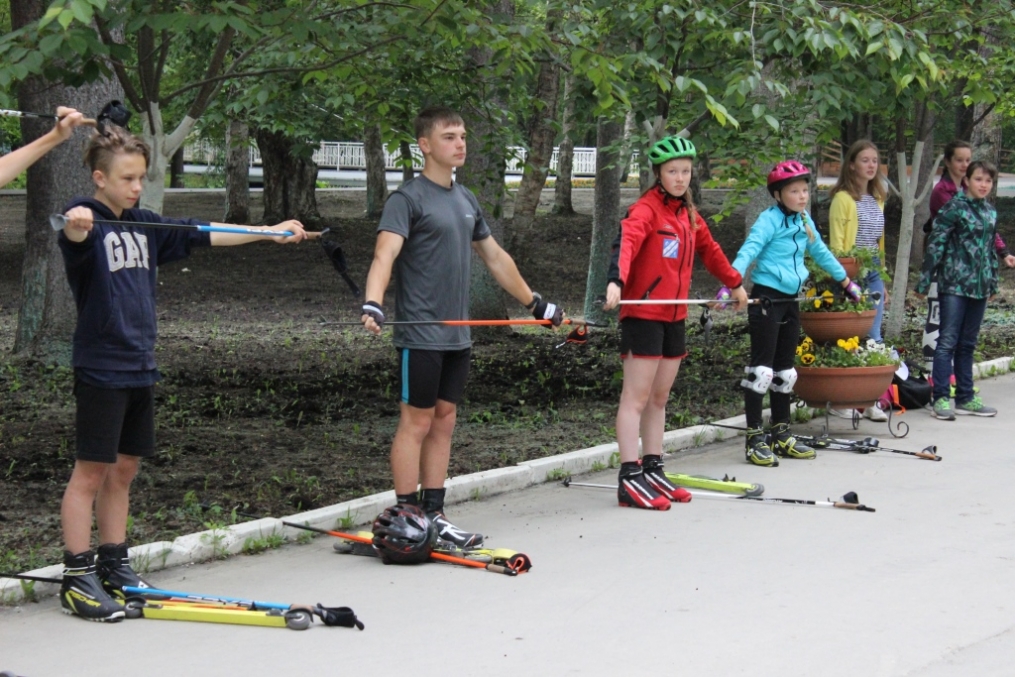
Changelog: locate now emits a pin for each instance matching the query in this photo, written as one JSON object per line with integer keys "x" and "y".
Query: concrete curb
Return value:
{"x": 231, "y": 540}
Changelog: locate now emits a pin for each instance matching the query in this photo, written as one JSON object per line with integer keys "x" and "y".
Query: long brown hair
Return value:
{"x": 688, "y": 197}
{"x": 847, "y": 181}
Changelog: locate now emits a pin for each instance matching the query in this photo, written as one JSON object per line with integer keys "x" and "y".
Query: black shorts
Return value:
{"x": 426, "y": 376}
{"x": 113, "y": 421}
{"x": 652, "y": 338}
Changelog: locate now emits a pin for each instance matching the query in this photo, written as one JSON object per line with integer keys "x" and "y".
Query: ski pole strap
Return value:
{"x": 341, "y": 616}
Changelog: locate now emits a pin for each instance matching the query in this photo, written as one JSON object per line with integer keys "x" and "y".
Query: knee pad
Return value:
{"x": 783, "y": 381}
{"x": 758, "y": 378}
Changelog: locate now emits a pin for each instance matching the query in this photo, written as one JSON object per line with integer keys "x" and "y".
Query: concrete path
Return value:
{"x": 924, "y": 587}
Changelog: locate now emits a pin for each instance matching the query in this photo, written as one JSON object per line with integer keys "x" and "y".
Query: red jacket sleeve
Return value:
{"x": 633, "y": 231}
{"x": 712, "y": 256}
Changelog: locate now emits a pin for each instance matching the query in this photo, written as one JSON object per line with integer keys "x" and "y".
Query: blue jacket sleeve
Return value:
{"x": 760, "y": 235}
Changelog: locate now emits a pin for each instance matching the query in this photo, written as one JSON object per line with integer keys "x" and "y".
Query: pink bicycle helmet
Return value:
{"x": 785, "y": 173}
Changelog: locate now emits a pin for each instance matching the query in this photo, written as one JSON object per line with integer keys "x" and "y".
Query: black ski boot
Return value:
{"x": 655, "y": 474}
{"x": 784, "y": 444}
{"x": 82, "y": 594}
{"x": 759, "y": 451}
{"x": 433, "y": 505}
{"x": 115, "y": 571}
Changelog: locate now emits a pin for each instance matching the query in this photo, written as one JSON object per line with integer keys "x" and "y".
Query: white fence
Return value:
{"x": 349, "y": 155}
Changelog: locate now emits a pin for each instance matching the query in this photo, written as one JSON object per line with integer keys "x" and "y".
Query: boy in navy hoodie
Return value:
{"x": 112, "y": 270}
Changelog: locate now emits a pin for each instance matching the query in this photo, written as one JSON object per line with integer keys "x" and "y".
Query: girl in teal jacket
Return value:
{"x": 776, "y": 244}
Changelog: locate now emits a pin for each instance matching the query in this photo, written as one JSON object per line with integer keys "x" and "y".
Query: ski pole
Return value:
{"x": 767, "y": 302}
{"x": 850, "y": 501}
{"x": 867, "y": 445}
{"x": 26, "y": 577}
{"x": 44, "y": 116}
{"x": 58, "y": 221}
{"x": 356, "y": 538}
{"x": 337, "y": 257}
{"x": 463, "y": 323}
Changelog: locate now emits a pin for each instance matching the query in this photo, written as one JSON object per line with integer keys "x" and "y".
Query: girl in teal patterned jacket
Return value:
{"x": 960, "y": 253}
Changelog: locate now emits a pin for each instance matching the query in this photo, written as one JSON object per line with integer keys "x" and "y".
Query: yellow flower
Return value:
{"x": 841, "y": 343}
{"x": 807, "y": 358}
{"x": 810, "y": 292}
{"x": 799, "y": 350}
{"x": 817, "y": 304}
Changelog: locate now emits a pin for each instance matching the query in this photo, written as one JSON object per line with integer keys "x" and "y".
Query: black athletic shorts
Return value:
{"x": 652, "y": 338}
{"x": 426, "y": 376}
{"x": 113, "y": 421}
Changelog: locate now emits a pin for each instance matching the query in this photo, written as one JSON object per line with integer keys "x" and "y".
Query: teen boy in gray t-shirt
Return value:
{"x": 427, "y": 233}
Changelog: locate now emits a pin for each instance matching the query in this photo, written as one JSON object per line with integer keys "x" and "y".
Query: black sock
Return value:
{"x": 432, "y": 500}
{"x": 628, "y": 469}
{"x": 407, "y": 499}
{"x": 651, "y": 462}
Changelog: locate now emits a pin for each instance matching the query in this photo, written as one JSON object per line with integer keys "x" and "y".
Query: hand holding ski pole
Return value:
{"x": 852, "y": 291}
{"x": 67, "y": 120}
{"x": 612, "y": 296}
{"x": 544, "y": 310}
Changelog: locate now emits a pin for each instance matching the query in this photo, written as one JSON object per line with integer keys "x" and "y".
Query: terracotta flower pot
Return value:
{"x": 843, "y": 387}
{"x": 852, "y": 266}
{"x": 824, "y": 327}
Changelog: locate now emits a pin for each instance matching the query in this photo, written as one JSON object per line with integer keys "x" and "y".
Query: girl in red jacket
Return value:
{"x": 652, "y": 262}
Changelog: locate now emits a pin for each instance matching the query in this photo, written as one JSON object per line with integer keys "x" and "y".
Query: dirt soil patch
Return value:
{"x": 264, "y": 407}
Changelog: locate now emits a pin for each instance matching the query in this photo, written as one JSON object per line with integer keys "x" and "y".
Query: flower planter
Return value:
{"x": 824, "y": 327}
{"x": 852, "y": 266}
{"x": 843, "y": 387}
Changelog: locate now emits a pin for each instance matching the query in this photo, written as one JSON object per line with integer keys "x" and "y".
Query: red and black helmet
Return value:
{"x": 785, "y": 173}
{"x": 403, "y": 534}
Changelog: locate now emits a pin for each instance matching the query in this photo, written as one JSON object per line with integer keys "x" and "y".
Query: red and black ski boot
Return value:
{"x": 655, "y": 475}
{"x": 634, "y": 491}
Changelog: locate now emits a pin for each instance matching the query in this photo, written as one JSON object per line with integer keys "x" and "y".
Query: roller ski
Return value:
{"x": 403, "y": 534}
{"x": 727, "y": 485}
{"x": 173, "y": 605}
{"x": 512, "y": 559}
{"x": 867, "y": 445}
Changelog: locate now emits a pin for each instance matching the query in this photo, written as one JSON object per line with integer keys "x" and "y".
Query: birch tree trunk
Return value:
{"x": 541, "y": 136}
{"x": 911, "y": 193}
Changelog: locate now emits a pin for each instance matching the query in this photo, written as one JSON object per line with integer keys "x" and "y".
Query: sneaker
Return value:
{"x": 875, "y": 413}
{"x": 759, "y": 451}
{"x": 115, "y": 572}
{"x": 634, "y": 491}
{"x": 975, "y": 407}
{"x": 784, "y": 444}
{"x": 82, "y": 593}
{"x": 449, "y": 532}
{"x": 655, "y": 475}
{"x": 841, "y": 413}
{"x": 943, "y": 409}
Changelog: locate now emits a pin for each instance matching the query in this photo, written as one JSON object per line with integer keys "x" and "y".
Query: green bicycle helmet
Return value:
{"x": 671, "y": 148}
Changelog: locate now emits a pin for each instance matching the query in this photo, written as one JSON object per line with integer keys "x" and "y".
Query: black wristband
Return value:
{"x": 373, "y": 308}
{"x": 536, "y": 298}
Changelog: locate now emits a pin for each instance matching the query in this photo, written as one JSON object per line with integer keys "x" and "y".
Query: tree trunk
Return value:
{"x": 926, "y": 120}
{"x": 377, "y": 178}
{"x": 912, "y": 193}
{"x": 541, "y": 136}
{"x": 605, "y": 216}
{"x": 405, "y": 148}
{"x": 176, "y": 169}
{"x": 565, "y": 153}
{"x": 237, "y": 172}
{"x": 483, "y": 173}
{"x": 47, "y": 315}
{"x": 290, "y": 181}
{"x": 162, "y": 146}
{"x": 964, "y": 117}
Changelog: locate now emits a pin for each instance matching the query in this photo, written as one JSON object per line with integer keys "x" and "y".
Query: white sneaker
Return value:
{"x": 841, "y": 413}
{"x": 875, "y": 413}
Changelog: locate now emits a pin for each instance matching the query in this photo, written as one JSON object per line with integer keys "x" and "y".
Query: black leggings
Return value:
{"x": 775, "y": 334}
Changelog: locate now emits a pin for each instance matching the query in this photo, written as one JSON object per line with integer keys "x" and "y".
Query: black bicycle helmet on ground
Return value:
{"x": 403, "y": 534}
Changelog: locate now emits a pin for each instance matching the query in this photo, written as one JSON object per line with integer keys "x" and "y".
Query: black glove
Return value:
{"x": 543, "y": 310}
{"x": 374, "y": 310}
